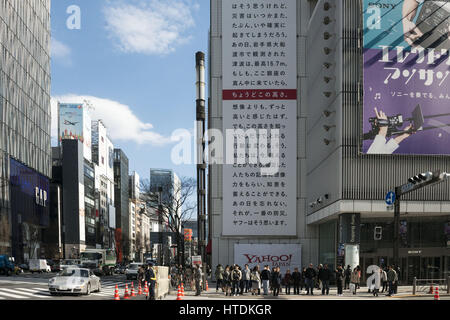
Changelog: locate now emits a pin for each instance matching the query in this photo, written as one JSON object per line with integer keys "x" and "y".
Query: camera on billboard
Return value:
{"x": 394, "y": 124}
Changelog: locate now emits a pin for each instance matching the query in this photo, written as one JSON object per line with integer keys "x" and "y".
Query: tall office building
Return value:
{"x": 257, "y": 84}
{"x": 341, "y": 157}
{"x": 359, "y": 59}
{"x": 103, "y": 159}
{"x": 25, "y": 150}
{"x": 121, "y": 196}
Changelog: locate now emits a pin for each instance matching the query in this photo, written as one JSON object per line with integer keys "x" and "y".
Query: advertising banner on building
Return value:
{"x": 259, "y": 99}
{"x": 406, "y": 77}
{"x": 285, "y": 256}
{"x": 75, "y": 123}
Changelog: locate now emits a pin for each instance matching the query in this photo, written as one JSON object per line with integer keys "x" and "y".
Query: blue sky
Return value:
{"x": 135, "y": 61}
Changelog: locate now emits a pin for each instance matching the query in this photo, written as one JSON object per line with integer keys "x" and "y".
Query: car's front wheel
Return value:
{"x": 88, "y": 289}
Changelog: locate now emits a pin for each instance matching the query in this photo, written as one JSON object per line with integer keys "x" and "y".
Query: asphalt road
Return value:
{"x": 28, "y": 286}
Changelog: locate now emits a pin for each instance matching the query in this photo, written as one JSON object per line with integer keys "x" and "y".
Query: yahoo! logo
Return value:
{"x": 285, "y": 258}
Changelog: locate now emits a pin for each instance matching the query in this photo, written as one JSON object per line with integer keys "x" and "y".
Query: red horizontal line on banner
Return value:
{"x": 258, "y": 94}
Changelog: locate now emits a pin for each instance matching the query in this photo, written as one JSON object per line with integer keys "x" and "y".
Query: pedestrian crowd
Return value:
{"x": 234, "y": 280}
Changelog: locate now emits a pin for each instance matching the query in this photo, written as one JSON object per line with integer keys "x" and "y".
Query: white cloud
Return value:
{"x": 59, "y": 49}
{"x": 122, "y": 124}
{"x": 150, "y": 27}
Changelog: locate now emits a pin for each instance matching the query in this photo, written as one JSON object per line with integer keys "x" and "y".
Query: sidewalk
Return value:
{"x": 361, "y": 294}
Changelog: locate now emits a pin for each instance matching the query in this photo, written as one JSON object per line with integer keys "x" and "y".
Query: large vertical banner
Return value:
{"x": 406, "y": 77}
{"x": 259, "y": 67}
{"x": 75, "y": 123}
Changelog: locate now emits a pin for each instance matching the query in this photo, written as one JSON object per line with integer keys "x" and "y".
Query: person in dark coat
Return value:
{"x": 296, "y": 278}
{"x": 339, "y": 279}
{"x": 310, "y": 276}
{"x": 347, "y": 275}
{"x": 288, "y": 281}
{"x": 276, "y": 281}
{"x": 303, "y": 280}
{"x": 265, "y": 278}
{"x": 325, "y": 277}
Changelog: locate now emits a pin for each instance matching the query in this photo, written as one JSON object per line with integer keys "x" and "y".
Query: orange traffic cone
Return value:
{"x": 207, "y": 288}
{"x": 116, "y": 293}
{"x": 179, "y": 293}
{"x": 139, "y": 289}
{"x": 436, "y": 294}
{"x": 126, "y": 295}
{"x": 132, "y": 290}
{"x": 146, "y": 288}
{"x": 182, "y": 289}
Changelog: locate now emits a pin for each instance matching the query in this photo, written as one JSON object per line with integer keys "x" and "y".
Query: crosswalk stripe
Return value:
{"x": 35, "y": 290}
{"x": 46, "y": 293}
{"x": 10, "y": 295}
{"x": 32, "y": 294}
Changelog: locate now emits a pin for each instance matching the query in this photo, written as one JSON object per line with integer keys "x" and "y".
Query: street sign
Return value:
{"x": 390, "y": 198}
{"x": 196, "y": 260}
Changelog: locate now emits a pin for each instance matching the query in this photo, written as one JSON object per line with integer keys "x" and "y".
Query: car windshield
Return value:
{"x": 74, "y": 273}
{"x": 134, "y": 266}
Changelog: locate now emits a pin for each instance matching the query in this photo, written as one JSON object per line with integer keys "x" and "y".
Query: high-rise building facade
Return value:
{"x": 121, "y": 196}
{"x": 25, "y": 150}
{"x": 257, "y": 84}
{"x": 362, "y": 70}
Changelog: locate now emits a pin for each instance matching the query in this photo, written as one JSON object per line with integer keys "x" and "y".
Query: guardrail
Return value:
{"x": 423, "y": 285}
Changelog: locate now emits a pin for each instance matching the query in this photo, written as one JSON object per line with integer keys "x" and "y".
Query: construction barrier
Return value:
{"x": 162, "y": 282}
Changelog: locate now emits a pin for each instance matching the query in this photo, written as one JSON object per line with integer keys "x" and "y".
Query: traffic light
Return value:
{"x": 422, "y": 177}
{"x": 377, "y": 233}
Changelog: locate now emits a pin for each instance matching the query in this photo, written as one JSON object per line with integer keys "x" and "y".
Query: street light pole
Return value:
{"x": 201, "y": 165}
{"x": 398, "y": 193}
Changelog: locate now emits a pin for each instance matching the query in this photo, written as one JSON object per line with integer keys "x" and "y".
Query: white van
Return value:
{"x": 39, "y": 265}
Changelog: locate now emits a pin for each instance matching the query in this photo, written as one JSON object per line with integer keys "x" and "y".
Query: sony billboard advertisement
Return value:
{"x": 406, "y": 77}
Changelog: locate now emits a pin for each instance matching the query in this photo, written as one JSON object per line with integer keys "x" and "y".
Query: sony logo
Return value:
{"x": 41, "y": 197}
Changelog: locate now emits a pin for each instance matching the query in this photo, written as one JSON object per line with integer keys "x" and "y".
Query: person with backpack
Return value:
{"x": 236, "y": 276}
{"x": 265, "y": 278}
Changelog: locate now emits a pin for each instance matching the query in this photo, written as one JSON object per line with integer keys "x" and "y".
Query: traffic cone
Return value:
{"x": 116, "y": 293}
{"x": 132, "y": 290}
{"x": 179, "y": 294}
{"x": 139, "y": 289}
{"x": 146, "y": 288}
{"x": 436, "y": 294}
{"x": 182, "y": 289}
{"x": 126, "y": 295}
{"x": 431, "y": 289}
{"x": 207, "y": 288}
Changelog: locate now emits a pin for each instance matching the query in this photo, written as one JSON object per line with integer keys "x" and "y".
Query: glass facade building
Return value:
{"x": 25, "y": 117}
